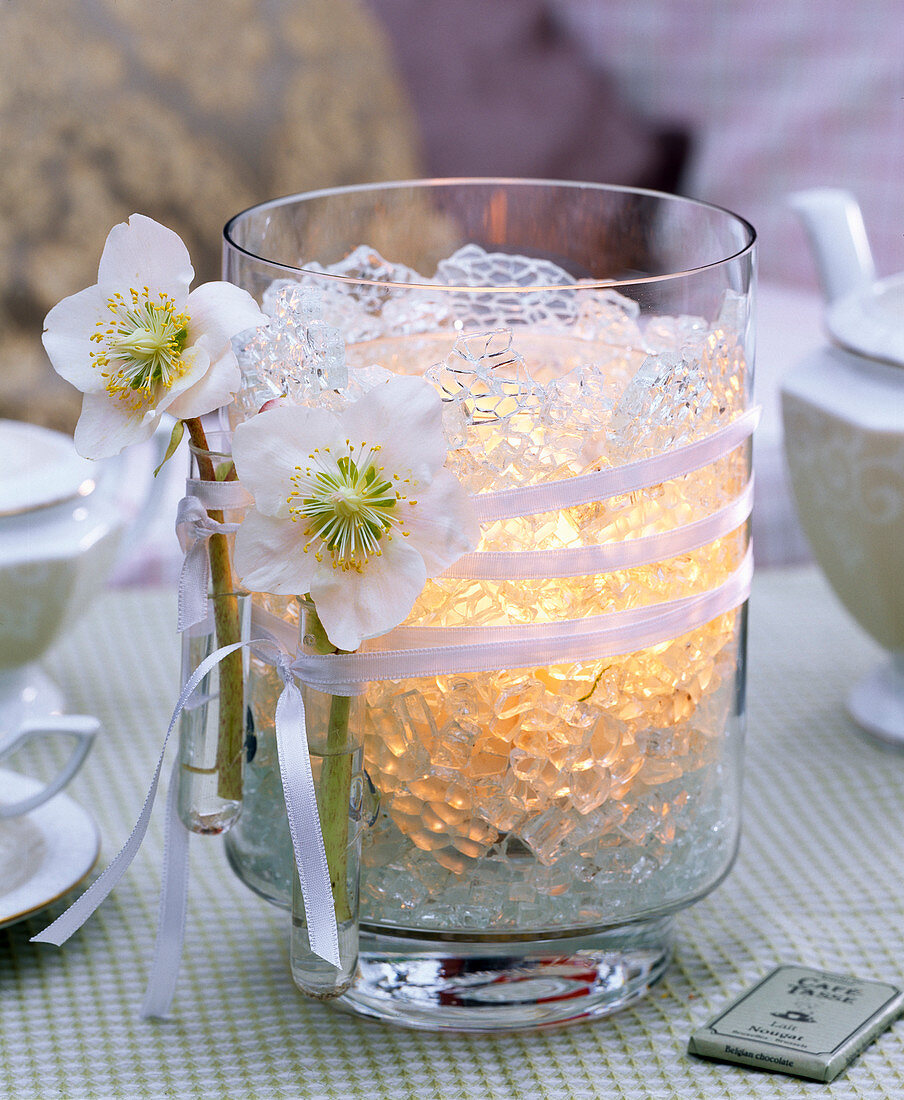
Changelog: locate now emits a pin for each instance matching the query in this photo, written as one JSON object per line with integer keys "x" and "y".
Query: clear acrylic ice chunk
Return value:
{"x": 521, "y": 290}
{"x": 590, "y": 788}
{"x": 486, "y": 378}
{"x": 608, "y": 317}
{"x": 416, "y": 718}
{"x": 674, "y": 333}
{"x": 454, "y": 744}
{"x": 369, "y": 299}
{"x": 546, "y": 833}
{"x": 668, "y": 402}
{"x": 297, "y": 353}
{"x": 579, "y": 401}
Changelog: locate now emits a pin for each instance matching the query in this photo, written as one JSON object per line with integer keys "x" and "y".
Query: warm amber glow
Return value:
{"x": 463, "y": 762}
{"x": 498, "y": 748}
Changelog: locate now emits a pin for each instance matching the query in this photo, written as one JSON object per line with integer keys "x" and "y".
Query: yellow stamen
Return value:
{"x": 347, "y": 504}
{"x": 140, "y": 345}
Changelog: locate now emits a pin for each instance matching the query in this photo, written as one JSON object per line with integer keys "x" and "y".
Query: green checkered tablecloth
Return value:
{"x": 819, "y": 881}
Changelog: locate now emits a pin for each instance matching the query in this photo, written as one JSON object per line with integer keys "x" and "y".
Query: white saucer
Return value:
{"x": 43, "y": 854}
{"x": 38, "y": 467}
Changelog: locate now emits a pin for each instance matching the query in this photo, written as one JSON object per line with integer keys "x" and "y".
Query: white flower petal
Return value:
{"x": 268, "y": 448}
{"x": 355, "y": 606}
{"x": 67, "y": 331}
{"x": 220, "y": 311}
{"x": 442, "y": 523}
{"x": 204, "y": 386}
{"x": 405, "y": 417}
{"x": 106, "y": 426}
{"x": 142, "y": 252}
{"x": 269, "y": 556}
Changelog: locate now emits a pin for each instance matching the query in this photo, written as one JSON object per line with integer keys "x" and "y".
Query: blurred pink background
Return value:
{"x": 736, "y": 103}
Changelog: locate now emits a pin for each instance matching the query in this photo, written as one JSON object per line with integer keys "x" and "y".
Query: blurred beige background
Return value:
{"x": 191, "y": 110}
{"x": 184, "y": 110}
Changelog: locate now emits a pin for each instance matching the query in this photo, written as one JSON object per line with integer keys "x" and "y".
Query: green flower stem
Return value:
{"x": 334, "y": 793}
{"x": 335, "y": 786}
{"x": 231, "y": 711}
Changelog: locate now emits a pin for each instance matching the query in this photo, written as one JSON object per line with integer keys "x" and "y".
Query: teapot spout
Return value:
{"x": 834, "y": 225}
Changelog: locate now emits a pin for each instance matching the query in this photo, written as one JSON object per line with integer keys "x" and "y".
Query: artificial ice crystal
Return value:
{"x": 297, "y": 354}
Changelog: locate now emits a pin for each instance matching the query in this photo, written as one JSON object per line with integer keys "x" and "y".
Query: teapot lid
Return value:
{"x": 870, "y": 321}
{"x": 39, "y": 467}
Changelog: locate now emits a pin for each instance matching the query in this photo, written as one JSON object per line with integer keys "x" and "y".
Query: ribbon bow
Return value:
{"x": 304, "y": 826}
{"x": 194, "y": 527}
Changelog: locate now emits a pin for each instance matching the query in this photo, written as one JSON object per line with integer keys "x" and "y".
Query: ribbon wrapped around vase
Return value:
{"x": 413, "y": 651}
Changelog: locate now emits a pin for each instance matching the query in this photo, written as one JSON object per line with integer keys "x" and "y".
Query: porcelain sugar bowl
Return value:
{"x": 843, "y": 413}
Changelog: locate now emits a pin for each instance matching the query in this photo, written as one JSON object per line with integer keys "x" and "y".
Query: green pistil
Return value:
{"x": 141, "y": 344}
{"x": 348, "y": 506}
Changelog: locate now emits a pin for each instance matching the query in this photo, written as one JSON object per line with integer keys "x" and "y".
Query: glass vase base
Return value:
{"x": 212, "y": 820}
{"x": 470, "y": 986}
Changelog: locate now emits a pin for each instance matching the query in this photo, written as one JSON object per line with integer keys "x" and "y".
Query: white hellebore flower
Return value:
{"x": 138, "y": 344}
{"x": 353, "y": 508}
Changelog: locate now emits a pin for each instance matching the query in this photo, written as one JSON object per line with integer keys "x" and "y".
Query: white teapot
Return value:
{"x": 843, "y": 415}
{"x": 61, "y": 519}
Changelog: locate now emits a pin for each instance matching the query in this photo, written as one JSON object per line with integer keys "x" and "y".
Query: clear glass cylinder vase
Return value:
{"x": 540, "y": 827}
{"x": 212, "y": 731}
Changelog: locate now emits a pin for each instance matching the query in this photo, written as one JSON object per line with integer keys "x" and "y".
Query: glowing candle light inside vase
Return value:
{"x": 546, "y": 759}
{"x": 576, "y": 783}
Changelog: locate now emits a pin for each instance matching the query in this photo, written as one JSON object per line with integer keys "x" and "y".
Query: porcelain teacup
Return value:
{"x": 81, "y": 728}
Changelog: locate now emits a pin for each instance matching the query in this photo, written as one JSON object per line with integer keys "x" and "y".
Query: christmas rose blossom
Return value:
{"x": 138, "y": 344}
{"x": 353, "y": 508}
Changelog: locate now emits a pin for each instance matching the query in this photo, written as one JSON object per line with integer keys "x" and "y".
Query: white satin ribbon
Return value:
{"x": 411, "y": 652}
{"x": 580, "y": 561}
{"x": 82, "y": 908}
{"x": 161, "y": 987}
{"x": 194, "y": 528}
{"x": 220, "y": 496}
{"x": 552, "y": 496}
{"x": 304, "y": 819}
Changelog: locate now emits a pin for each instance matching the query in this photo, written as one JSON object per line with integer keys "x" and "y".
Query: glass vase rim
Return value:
{"x": 509, "y": 181}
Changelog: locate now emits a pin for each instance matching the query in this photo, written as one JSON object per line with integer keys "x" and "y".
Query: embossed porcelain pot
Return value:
{"x": 540, "y": 821}
{"x": 843, "y": 413}
{"x": 60, "y": 528}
